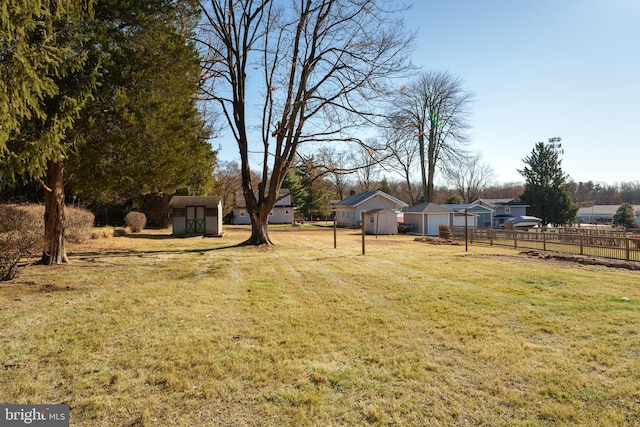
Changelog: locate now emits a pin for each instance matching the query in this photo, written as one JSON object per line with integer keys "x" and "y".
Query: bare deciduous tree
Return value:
{"x": 468, "y": 176}
{"x": 366, "y": 165}
{"x": 403, "y": 151}
{"x": 319, "y": 66}
{"x": 338, "y": 168}
{"x": 437, "y": 106}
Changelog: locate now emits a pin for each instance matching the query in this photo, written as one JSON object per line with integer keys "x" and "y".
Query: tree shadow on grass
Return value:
{"x": 91, "y": 255}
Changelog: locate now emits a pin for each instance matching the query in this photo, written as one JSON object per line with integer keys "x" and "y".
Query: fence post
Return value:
{"x": 626, "y": 247}
{"x": 491, "y": 236}
{"x": 515, "y": 239}
{"x": 581, "y": 250}
{"x": 363, "y": 231}
{"x": 466, "y": 232}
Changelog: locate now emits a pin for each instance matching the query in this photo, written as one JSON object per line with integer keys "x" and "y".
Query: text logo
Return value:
{"x": 34, "y": 415}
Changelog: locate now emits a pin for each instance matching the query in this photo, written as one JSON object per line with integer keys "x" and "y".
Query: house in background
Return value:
{"x": 602, "y": 214}
{"x": 426, "y": 218}
{"x": 503, "y": 209}
{"x": 282, "y": 212}
{"x": 196, "y": 215}
{"x": 483, "y": 213}
{"x": 348, "y": 212}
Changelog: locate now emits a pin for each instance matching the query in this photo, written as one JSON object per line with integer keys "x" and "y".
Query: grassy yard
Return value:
{"x": 147, "y": 330}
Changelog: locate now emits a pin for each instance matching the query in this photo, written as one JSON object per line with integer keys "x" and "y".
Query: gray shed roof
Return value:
{"x": 427, "y": 207}
{"x": 180, "y": 201}
{"x": 357, "y": 199}
{"x": 462, "y": 206}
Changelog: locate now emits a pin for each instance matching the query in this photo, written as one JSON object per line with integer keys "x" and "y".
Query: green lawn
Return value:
{"x": 147, "y": 330}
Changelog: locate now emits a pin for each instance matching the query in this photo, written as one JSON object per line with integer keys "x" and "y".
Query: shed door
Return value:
{"x": 195, "y": 219}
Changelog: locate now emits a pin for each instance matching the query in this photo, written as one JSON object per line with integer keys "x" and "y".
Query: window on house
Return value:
{"x": 507, "y": 210}
{"x": 241, "y": 213}
{"x": 286, "y": 212}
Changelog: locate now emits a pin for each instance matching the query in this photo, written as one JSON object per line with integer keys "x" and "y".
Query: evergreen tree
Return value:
{"x": 143, "y": 133}
{"x": 385, "y": 186}
{"x": 299, "y": 194}
{"x": 546, "y": 189}
{"x": 318, "y": 191}
{"x": 109, "y": 95}
{"x": 454, "y": 199}
{"x": 46, "y": 77}
{"x": 625, "y": 216}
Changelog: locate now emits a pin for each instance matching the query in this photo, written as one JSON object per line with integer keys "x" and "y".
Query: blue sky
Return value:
{"x": 539, "y": 69}
{"x": 542, "y": 69}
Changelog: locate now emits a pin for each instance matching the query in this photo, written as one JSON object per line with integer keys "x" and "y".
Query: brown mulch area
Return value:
{"x": 584, "y": 259}
{"x": 437, "y": 241}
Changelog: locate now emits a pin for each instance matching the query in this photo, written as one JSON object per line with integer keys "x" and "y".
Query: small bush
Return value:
{"x": 444, "y": 231}
{"x": 21, "y": 234}
{"x": 78, "y": 224}
{"x": 120, "y": 232}
{"x": 103, "y": 232}
{"x": 135, "y": 221}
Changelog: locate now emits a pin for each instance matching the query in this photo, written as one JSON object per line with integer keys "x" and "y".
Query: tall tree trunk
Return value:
{"x": 259, "y": 214}
{"x": 54, "y": 249}
{"x": 259, "y": 230}
{"x": 431, "y": 160}
{"x": 407, "y": 178}
{"x": 423, "y": 165}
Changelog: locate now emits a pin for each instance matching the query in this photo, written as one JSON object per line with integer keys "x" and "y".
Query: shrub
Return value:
{"x": 120, "y": 232}
{"x": 105, "y": 232}
{"x": 78, "y": 224}
{"x": 135, "y": 221}
{"x": 444, "y": 231}
{"x": 21, "y": 234}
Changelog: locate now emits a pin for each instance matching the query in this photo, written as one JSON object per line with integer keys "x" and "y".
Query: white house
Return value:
{"x": 425, "y": 218}
{"x": 196, "y": 215}
{"x": 348, "y": 212}
{"x": 602, "y": 214}
{"x": 282, "y": 212}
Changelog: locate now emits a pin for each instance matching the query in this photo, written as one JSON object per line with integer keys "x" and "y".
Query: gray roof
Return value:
{"x": 463, "y": 206}
{"x": 427, "y": 207}
{"x": 194, "y": 201}
{"x": 379, "y": 210}
{"x": 501, "y": 202}
{"x": 602, "y": 210}
{"x": 357, "y": 199}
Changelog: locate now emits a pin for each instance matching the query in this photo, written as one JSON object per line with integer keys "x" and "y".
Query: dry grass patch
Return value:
{"x": 151, "y": 330}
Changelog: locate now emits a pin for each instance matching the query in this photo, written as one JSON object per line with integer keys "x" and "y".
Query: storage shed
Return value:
{"x": 381, "y": 221}
{"x": 196, "y": 216}
{"x": 425, "y": 218}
